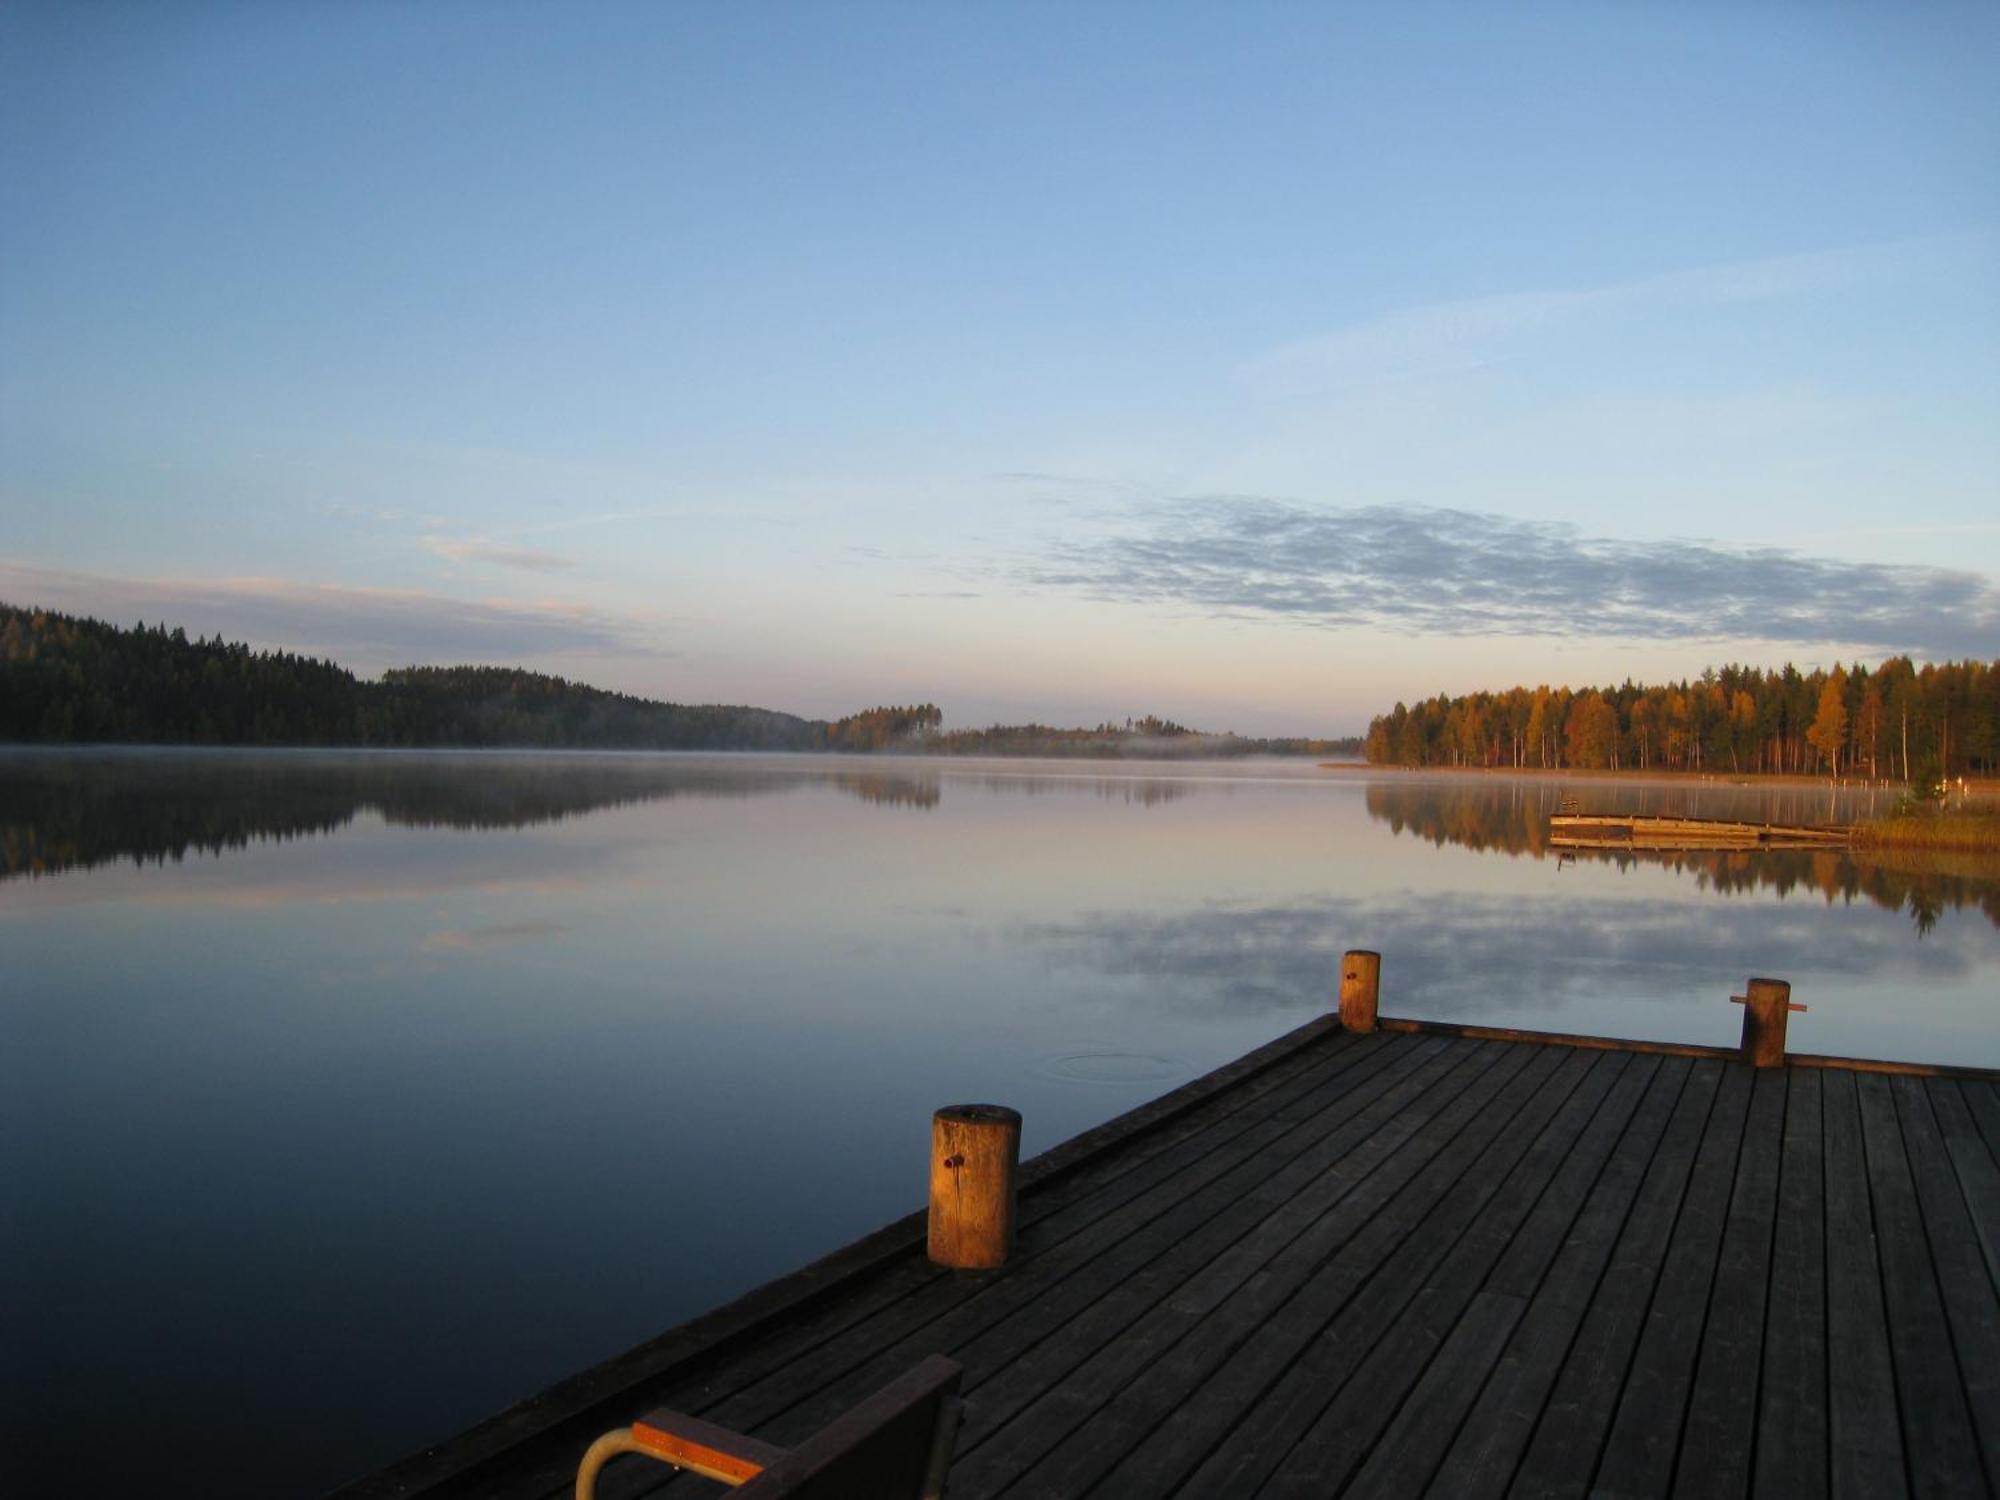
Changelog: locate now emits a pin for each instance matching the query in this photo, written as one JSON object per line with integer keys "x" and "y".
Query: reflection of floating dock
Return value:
{"x": 1638, "y": 831}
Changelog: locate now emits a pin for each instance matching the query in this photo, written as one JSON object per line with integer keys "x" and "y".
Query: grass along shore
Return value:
{"x": 1967, "y": 822}
{"x": 1970, "y": 828}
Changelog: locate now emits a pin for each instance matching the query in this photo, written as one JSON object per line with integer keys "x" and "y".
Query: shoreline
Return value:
{"x": 1973, "y": 787}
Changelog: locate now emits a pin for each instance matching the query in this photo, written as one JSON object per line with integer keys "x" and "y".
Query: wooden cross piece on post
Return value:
{"x": 1764, "y": 1012}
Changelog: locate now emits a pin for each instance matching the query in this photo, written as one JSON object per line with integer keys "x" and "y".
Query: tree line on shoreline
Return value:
{"x": 65, "y": 679}
{"x": 1899, "y": 721}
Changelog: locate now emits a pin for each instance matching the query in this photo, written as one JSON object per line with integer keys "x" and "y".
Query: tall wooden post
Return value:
{"x": 974, "y": 1151}
{"x": 1766, "y": 1008}
{"x": 1360, "y": 988}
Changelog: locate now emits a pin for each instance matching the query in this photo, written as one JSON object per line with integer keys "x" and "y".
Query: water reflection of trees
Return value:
{"x": 1511, "y": 815}
{"x": 1135, "y": 791}
{"x": 63, "y": 811}
{"x": 892, "y": 791}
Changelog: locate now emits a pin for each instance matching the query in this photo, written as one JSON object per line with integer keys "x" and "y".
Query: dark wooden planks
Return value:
{"x": 1025, "y": 1355}
{"x": 1476, "y": 1032}
{"x": 1983, "y": 1099}
{"x": 1404, "y": 1462}
{"x": 1291, "y": 1295}
{"x": 1972, "y": 1309}
{"x": 1301, "y": 1226}
{"x": 1436, "y": 1359}
{"x": 1791, "y": 1451}
{"x": 1639, "y": 1450}
{"x": 1253, "y": 1414}
{"x": 1487, "y": 1447}
{"x": 1937, "y": 1429}
{"x": 1569, "y": 1434}
{"x": 1864, "y": 1434}
{"x": 1974, "y": 1164}
{"x": 1718, "y": 1437}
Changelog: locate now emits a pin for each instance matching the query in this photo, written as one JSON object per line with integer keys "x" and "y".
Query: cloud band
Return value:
{"x": 1428, "y": 571}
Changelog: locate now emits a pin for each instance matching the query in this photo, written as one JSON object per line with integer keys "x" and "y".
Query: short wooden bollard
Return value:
{"x": 1765, "y": 1010}
{"x": 1360, "y": 989}
{"x": 974, "y": 1151}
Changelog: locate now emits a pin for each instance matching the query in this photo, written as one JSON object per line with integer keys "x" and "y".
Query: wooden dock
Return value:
{"x": 1576, "y": 830}
{"x": 1421, "y": 1259}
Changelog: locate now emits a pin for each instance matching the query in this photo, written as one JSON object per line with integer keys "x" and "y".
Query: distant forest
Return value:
{"x": 1900, "y": 721}
{"x": 70, "y": 680}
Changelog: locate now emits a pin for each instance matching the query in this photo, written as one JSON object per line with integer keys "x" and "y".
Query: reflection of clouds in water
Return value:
{"x": 501, "y": 935}
{"x": 1449, "y": 954}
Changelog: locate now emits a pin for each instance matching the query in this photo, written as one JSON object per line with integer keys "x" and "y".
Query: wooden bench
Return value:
{"x": 897, "y": 1445}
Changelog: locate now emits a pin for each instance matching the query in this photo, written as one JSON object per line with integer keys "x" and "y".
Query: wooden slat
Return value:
{"x": 1971, "y": 1307}
{"x": 1640, "y": 1449}
{"x": 1864, "y": 1434}
{"x": 1983, "y": 1099}
{"x": 1688, "y": 1049}
{"x": 1487, "y": 1448}
{"x": 1406, "y": 1443}
{"x": 1975, "y": 1167}
{"x": 1554, "y": 1038}
{"x": 1369, "y": 1342}
{"x": 674, "y": 1437}
{"x": 1791, "y": 1409}
{"x": 1937, "y": 1430}
{"x": 1718, "y": 1438}
{"x": 1065, "y": 1439}
{"x": 1563, "y": 1452}
{"x": 1889, "y": 1065}
{"x": 1202, "y": 1383}
{"x": 1313, "y": 1427}
{"x": 1403, "y": 1462}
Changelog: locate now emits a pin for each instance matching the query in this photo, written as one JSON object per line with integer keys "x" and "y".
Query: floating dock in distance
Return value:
{"x": 1411, "y": 1259}
{"x": 1629, "y": 831}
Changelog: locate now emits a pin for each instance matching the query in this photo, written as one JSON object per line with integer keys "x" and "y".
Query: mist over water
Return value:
{"x": 392, "y": 1087}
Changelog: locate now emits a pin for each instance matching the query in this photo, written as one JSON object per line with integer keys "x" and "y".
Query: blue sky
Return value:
{"x": 1256, "y": 365}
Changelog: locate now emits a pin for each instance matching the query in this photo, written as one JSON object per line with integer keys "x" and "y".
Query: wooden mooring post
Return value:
{"x": 975, "y": 1149}
{"x": 1765, "y": 1010}
{"x": 1360, "y": 988}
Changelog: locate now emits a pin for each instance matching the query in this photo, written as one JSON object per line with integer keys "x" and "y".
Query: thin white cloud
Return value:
{"x": 527, "y": 559}
{"x": 1450, "y": 338}
{"x": 356, "y": 626}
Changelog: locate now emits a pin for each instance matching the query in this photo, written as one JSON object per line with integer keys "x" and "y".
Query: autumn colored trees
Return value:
{"x": 888, "y": 728}
{"x": 1899, "y": 720}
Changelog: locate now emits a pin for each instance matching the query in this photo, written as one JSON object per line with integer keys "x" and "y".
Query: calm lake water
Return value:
{"x": 345, "y": 1098}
